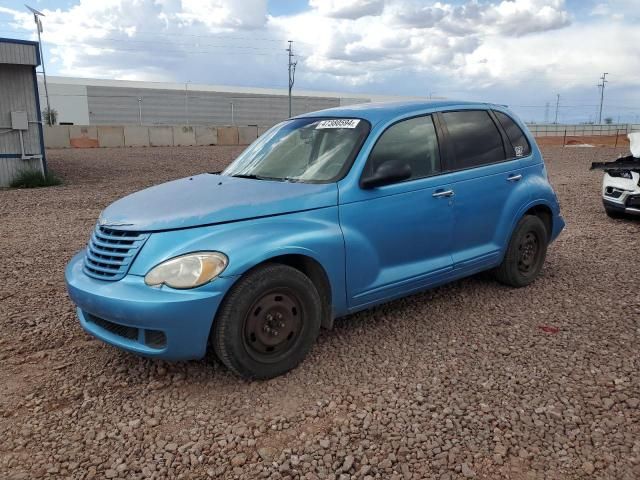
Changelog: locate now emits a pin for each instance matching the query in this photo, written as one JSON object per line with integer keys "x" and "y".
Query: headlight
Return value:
{"x": 187, "y": 271}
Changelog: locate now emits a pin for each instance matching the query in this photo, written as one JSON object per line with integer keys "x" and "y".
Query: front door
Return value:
{"x": 398, "y": 237}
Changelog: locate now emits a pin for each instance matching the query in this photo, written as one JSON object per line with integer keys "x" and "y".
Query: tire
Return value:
{"x": 525, "y": 254}
{"x": 268, "y": 322}
{"x": 611, "y": 213}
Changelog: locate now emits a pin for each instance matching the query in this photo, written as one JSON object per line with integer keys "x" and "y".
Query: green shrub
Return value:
{"x": 34, "y": 179}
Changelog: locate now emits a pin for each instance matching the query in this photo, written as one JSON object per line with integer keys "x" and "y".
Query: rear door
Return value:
{"x": 484, "y": 170}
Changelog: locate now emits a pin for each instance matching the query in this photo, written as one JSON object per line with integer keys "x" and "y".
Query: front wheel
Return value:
{"x": 525, "y": 254}
{"x": 268, "y": 322}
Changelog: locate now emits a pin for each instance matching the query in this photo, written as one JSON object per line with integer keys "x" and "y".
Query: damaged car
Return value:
{"x": 621, "y": 182}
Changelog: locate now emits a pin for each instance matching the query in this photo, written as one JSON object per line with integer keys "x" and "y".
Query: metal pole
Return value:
{"x": 292, "y": 72}
{"x": 601, "y": 85}
{"x": 233, "y": 121}
{"x": 557, "y": 105}
{"x": 289, "y": 50}
{"x": 140, "y": 110}
{"x": 44, "y": 71}
{"x": 186, "y": 101}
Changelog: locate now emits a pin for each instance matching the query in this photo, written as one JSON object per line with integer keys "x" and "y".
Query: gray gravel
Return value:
{"x": 457, "y": 382}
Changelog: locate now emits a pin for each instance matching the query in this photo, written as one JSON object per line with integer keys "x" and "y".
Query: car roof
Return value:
{"x": 379, "y": 111}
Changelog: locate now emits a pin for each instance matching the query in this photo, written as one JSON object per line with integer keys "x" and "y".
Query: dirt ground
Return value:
{"x": 470, "y": 380}
{"x": 595, "y": 140}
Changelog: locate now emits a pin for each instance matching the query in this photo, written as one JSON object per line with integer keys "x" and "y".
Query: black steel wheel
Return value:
{"x": 525, "y": 253}
{"x": 268, "y": 322}
{"x": 528, "y": 252}
{"x": 273, "y": 324}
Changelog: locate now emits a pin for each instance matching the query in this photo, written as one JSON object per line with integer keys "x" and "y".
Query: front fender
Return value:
{"x": 314, "y": 233}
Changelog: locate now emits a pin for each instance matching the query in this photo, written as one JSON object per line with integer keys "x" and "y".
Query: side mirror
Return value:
{"x": 386, "y": 173}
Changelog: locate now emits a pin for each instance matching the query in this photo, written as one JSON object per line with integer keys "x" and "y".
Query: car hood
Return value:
{"x": 208, "y": 199}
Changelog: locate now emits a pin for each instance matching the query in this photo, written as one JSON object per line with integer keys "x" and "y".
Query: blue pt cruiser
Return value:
{"x": 325, "y": 214}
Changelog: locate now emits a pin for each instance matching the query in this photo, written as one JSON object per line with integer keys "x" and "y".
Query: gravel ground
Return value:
{"x": 457, "y": 382}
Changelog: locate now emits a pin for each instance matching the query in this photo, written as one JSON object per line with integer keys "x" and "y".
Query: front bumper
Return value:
{"x": 154, "y": 322}
{"x": 621, "y": 207}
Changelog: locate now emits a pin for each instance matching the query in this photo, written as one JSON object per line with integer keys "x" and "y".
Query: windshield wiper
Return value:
{"x": 260, "y": 177}
{"x": 251, "y": 176}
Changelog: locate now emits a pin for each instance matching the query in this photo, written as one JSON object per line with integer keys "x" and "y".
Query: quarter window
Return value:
{"x": 413, "y": 142}
{"x": 517, "y": 137}
{"x": 475, "y": 138}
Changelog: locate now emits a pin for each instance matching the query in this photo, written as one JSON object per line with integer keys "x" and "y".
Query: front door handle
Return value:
{"x": 443, "y": 193}
{"x": 514, "y": 178}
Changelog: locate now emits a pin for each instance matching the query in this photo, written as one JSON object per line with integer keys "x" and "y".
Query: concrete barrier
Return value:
{"x": 247, "y": 135}
{"x": 83, "y": 136}
{"x": 136, "y": 136}
{"x": 56, "y": 136}
{"x": 227, "y": 135}
{"x": 184, "y": 136}
{"x": 111, "y": 136}
{"x": 206, "y": 135}
{"x": 161, "y": 136}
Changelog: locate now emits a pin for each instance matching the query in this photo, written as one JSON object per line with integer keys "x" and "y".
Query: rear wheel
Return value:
{"x": 268, "y": 322}
{"x": 525, "y": 254}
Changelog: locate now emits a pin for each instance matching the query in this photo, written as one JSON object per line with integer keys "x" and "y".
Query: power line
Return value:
{"x": 171, "y": 34}
{"x": 164, "y": 51}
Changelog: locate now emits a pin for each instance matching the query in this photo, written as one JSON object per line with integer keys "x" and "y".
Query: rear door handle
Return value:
{"x": 514, "y": 178}
{"x": 443, "y": 193}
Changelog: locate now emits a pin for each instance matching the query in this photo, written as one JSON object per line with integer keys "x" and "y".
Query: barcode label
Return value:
{"x": 339, "y": 123}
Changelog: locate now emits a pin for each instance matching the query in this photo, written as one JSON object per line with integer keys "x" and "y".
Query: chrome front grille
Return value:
{"x": 110, "y": 252}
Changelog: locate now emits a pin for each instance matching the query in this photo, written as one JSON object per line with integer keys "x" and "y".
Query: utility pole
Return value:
{"x": 546, "y": 112}
{"x": 140, "y": 110}
{"x": 601, "y": 85}
{"x": 557, "y": 105}
{"x": 36, "y": 18}
{"x": 186, "y": 100}
{"x": 292, "y": 72}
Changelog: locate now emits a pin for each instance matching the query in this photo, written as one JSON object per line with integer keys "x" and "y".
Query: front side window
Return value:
{"x": 474, "y": 137}
{"x": 519, "y": 141}
{"x": 304, "y": 150}
{"x": 413, "y": 142}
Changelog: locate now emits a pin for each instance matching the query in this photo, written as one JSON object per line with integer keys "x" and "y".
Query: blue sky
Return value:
{"x": 518, "y": 52}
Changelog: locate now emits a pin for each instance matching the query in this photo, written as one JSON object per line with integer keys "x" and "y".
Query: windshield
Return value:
{"x": 313, "y": 150}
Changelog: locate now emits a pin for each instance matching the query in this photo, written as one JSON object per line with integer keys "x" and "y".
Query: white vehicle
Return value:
{"x": 621, "y": 182}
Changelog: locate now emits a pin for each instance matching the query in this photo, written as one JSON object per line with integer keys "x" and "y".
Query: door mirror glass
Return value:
{"x": 387, "y": 173}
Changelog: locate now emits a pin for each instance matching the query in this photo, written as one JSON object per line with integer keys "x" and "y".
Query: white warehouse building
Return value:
{"x": 82, "y": 101}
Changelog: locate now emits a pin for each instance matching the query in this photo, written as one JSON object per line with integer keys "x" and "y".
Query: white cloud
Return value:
{"x": 393, "y": 46}
{"x": 225, "y": 13}
{"x": 349, "y": 9}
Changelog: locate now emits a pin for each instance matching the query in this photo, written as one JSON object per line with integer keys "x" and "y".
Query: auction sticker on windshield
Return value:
{"x": 339, "y": 123}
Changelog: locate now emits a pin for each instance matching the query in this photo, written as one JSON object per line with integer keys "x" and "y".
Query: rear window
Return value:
{"x": 474, "y": 137}
{"x": 519, "y": 141}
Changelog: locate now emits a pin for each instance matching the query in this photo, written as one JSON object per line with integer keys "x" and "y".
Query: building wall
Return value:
{"x": 70, "y": 101}
{"x": 120, "y": 105}
{"x": 18, "y": 54}
{"x": 17, "y": 94}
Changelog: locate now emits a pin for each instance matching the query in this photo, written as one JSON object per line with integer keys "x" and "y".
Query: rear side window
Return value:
{"x": 520, "y": 144}
{"x": 412, "y": 141}
{"x": 474, "y": 137}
